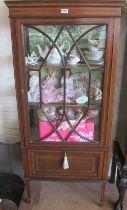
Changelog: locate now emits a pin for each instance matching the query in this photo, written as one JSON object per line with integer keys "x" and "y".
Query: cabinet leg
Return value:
{"x": 103, "y": 191}
{"x": 27, "y": 192}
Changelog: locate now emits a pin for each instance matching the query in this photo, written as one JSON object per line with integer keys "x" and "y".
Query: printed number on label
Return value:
{"x": 64, "y": 11}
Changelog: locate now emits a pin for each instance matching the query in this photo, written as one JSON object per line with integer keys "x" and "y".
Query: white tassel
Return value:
{"x": 65, "y": 162}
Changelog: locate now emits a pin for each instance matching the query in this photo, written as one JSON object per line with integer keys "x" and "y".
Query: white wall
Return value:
{"x": 9, "y": 132}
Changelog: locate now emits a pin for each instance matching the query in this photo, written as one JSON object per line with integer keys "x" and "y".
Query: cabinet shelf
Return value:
{"x": 77, "y": 66}
{"x": 92, "y": 106}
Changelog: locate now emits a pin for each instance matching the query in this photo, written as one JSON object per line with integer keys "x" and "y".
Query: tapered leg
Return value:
{"x": 27, "y": 192}
{"x": 103, "y": 191}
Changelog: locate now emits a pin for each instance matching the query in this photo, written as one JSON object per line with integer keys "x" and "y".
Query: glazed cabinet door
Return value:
{"x": 64, "y": 77}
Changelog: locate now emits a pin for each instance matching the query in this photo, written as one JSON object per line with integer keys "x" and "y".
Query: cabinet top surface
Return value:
{"x": 72, "y": 1}
{"x": 8, "y": 2}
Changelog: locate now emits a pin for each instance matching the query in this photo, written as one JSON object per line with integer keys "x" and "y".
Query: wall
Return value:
{"x": 9, "y": 132}
{"x": 121, "y": 90}
{"x": 10, "y": 154}
{"x": 10, "y": 159}
{"x": 118, "y": 118}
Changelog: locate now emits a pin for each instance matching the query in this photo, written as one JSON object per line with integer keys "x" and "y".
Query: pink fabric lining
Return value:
{"x": 85, "y": 129}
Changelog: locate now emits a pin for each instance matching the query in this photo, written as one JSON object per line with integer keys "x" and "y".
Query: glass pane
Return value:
{"x": 64, "y": 65}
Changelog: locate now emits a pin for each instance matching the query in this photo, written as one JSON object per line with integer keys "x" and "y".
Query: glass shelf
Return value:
{"x": 91, "y": 107}
{"x": 96, "y": 67}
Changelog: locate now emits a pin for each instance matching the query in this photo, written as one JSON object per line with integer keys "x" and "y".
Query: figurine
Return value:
{"x": 70, "y": 96}
{"x": 51, "y": 94}
{"x": 73, "y": 57}
{"x": 32, "y": 59}
{"x": 96, "y": 93}
{"x": 33, "y": 93}
{"x": 80, "y": 84}
{"x": 71, "y": 113}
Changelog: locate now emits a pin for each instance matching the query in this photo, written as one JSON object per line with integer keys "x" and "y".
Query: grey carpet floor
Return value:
{"x": 69, "y": 196}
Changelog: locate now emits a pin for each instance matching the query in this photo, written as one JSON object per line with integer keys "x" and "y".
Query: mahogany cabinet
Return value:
{"x": 65, "y": 56}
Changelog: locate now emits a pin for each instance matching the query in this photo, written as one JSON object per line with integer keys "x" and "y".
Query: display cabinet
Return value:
{"x": 65, "y": 56}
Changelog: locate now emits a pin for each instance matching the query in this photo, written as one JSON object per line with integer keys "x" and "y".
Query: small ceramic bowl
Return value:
{"x": 82, "y": 100}
{"x": 94, "y": 55}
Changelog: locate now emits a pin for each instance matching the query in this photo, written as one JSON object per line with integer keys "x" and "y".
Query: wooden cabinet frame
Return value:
{"x": 49, "y": 12}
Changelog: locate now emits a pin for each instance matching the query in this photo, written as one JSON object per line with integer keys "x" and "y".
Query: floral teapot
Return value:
{"x": 54, "y": 56}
